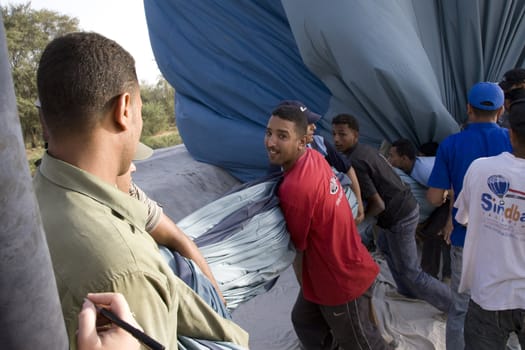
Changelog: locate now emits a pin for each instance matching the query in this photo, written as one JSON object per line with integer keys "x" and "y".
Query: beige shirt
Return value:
{"x": 154, "y": 209}
{"x": 98, "y": 243}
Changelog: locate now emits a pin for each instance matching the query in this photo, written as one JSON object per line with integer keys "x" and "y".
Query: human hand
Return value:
{"x": 93, "y": 334}
{"x": 447, "y": 230}
{"x": 360, "y": 215}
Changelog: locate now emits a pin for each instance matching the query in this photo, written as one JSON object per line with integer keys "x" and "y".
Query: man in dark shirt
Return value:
{"x": 388, "y": 198}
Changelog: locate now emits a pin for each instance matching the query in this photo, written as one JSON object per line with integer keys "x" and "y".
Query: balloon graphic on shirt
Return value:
{"x": 499, "y": 185}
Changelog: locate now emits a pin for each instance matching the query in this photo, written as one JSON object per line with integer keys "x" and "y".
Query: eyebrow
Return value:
{"x": 283, "y": 131}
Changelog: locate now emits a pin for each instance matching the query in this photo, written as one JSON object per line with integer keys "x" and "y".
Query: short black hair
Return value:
{"x": 293, "y": 114}
{"x": 347, "y": 119}
{"x": 429, "y": 149}
{"x": 512, "y": 77}
{"x": 515, "y": 94}
{"x": 405, "y": 148}
{"x": 79, "y": 77}
{"x": 517, "y": 119}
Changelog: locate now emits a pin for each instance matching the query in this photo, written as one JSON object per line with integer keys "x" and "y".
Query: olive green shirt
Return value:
{"x": 98, "y": 243}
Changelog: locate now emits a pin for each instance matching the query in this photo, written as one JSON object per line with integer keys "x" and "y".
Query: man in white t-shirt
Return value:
{"x": 492, "y": 203}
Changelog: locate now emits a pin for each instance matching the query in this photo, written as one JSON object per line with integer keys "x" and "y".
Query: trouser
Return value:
{"x": 434, "y": 250}
{"x": 349, "y": 326}
{"x": 398, "y": 244}
{"x": 490, "y": 330}
{"x": 456, "y": 317}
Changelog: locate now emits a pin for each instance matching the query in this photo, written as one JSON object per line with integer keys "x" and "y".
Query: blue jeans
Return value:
{"x": 366, "y": 230}
{"x": 456, "y": 316}
{"x": 490, "y": 330}
{"x": 398, "y": 244}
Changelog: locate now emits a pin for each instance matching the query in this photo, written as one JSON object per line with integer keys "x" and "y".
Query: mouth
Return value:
{"x": 272, "y": 154}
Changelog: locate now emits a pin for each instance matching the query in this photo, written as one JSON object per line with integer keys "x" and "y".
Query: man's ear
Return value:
{"x": 500, "y": 112}
{"x": 356, "y": 135}
{"x": 122, "y": 111}
{"x": 303, "y": 141}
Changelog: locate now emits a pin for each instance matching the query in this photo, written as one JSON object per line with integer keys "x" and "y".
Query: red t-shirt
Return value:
{"x": 337, "y": 267}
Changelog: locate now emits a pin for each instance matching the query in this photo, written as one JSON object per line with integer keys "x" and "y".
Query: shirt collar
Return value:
{"x": 75, "y": 179}
{"x": 484, "y": 125}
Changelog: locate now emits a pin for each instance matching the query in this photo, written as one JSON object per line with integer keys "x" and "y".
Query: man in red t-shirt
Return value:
{"x": 334, "y": 269}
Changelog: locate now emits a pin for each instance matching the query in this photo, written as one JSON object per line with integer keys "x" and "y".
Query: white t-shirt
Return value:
{"x": 492, "y": 202}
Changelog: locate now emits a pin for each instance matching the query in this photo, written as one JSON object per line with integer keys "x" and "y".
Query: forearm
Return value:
{"x": 436, "y": 196}
{"x": 357, "y": 191}
{"x": 375, "y": 205}
{"x": 167, "y": 233}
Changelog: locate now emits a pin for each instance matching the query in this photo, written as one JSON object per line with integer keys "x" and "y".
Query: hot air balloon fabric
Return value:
{"x": 403, "y": 68}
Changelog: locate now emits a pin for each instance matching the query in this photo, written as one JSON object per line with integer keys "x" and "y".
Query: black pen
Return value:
{"x": 135, "y": 332}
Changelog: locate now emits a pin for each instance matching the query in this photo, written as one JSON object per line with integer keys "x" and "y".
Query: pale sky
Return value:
{"x": 121, "y": 20}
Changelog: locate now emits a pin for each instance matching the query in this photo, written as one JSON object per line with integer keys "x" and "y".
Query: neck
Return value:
{"x": 519, "y": 152}
{"x": 408, "y": 168}
{"x": 290, "y": 165}
{"x": 476, "y": 119}
{"x": 92, "y": 156}
{"x": 349, "y": 149}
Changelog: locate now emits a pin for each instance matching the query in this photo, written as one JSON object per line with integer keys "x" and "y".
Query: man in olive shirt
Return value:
{"x": 96, "y": 234}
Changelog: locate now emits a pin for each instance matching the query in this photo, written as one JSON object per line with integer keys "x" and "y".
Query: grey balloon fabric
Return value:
{"x": 244, "y": 239}
{"x": 31, "y": 316}
{"x": 404, "y": 67}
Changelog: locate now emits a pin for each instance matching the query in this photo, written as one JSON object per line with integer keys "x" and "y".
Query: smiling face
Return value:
{"x": 344, "y": 137}
{"x": 283, "y": 143}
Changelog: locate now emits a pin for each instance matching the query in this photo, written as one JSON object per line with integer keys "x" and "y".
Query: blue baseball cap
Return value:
{"x": 486, "y": 96}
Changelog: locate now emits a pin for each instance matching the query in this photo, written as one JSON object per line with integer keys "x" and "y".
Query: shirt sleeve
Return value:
{"x": 164, "y": 313}
{"x": 297, "y": 212}
{"x": 366, "y": 184}
{"x": 154, "y": 209}
{"x": 462, "y": 202}
{"x": 439, "y": 177}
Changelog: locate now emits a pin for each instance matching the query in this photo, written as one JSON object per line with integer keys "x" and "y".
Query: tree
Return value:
{"x": 28, "y": 31}
{"x": 158, "y": 105}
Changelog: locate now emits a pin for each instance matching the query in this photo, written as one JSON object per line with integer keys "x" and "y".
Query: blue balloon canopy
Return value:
{"x": 403, "y": 68}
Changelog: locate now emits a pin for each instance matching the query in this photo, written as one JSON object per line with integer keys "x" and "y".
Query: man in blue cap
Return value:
{"x": 482, "y": 137}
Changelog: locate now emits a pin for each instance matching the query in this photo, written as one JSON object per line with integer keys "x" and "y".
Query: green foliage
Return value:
{"x": 166, "y": 139}
{"x": 27, "y": 33}
{"x": 157, "y": 107}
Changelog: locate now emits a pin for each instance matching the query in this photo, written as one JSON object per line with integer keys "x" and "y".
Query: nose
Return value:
{"x": 268, "y": 140}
